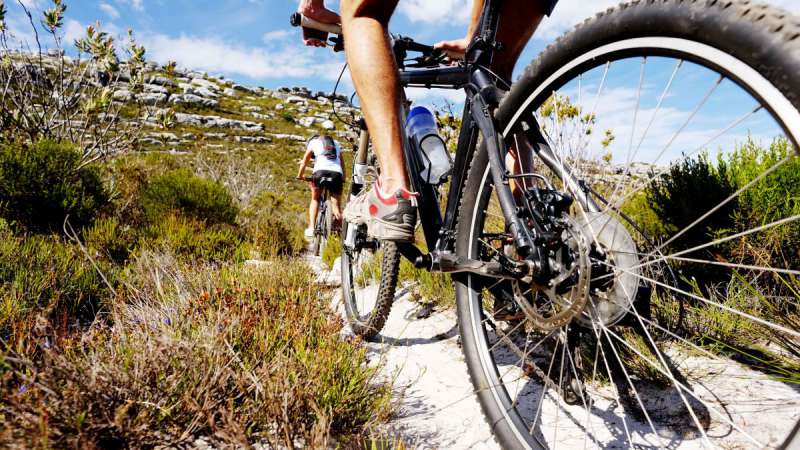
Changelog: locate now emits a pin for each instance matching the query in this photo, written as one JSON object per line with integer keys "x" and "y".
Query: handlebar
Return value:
{"x": 299, "y": 20}
{"x": 401, "y": 45}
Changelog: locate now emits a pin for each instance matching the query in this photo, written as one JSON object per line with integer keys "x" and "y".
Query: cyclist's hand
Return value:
{"x": 315, "y": 38}
{"x": 455, "y": 49}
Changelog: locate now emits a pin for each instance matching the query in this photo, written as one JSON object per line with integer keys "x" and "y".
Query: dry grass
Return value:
{"x": 241, "y": 357}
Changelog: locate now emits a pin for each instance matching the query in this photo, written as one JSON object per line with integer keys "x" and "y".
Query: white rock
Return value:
{"x": 328, "y": 125}
{"x": 206, "y": 84}
{"x": 251, "y": 139}
{"x": 152, "y": 98}
{"x": 161, "y": 81}
{"x": 252, "y": 108}
{"x": 155, "y": 88}
{"x": 228, "y": 92}
{"x": 296, "y": 99}
{"x": 191, "y": 99}
{"x": 291, "y": 137}
{"x": 306, "y": 121}
{"x": 122, "y": 95}
{"x": 279, "y": 107}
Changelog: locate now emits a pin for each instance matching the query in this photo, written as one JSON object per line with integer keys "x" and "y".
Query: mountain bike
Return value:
{"x": 324, "y": 223}
{"x": 615, "y": 306}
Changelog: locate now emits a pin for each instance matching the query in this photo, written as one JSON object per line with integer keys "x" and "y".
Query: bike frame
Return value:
{"x": 475, "y": 77}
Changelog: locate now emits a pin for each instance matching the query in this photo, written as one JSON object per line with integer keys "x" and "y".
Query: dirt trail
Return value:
{"x": 436, "y": 406}
{"x": 438, "y": 410}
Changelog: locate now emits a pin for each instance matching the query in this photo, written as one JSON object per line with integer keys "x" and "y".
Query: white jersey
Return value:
{"x": 322, "y": 159}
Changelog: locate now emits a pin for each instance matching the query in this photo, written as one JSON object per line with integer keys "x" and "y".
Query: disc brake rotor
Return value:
{"x": 547, "y": 307}
{"x": 616, "y": 253}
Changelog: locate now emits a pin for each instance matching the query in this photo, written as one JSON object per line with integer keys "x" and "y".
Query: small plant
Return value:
{"x": 195, "y": 240}
{"x": 183, "y": 192}
{"x": 43, "y": 184}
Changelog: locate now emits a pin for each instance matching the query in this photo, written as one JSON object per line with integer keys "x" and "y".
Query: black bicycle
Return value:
{"x": 584, "y": 321}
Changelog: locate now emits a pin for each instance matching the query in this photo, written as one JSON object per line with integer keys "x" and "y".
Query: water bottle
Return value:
{"x": 423, "y": 133}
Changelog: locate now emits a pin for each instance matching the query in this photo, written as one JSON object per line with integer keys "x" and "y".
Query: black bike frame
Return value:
{"x": 482, "y": 98}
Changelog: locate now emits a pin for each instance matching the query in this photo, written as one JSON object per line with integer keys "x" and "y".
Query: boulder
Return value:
{"x": 228, "y": 92}
{"x": 246, "y": 89}
{"x": 323, "y": 101}
{"x": 152, "y": 98}
{"x": 262, "y": 116}
{"x": 296, "y": 99}
{"x": 251, "y": 108}
{"x": 200, "y": 120}
{"x": 191, "y": 99}
{"x": 122, "y": 95}
{"x": 306, "y": 121}
{"x": 279, "y": 107}
{"x": 154, "y": 88}
{"x": 161, "y": 81}
{"x": 188, "y": 136}
{"x": 215, "y": 135}
{"x": 203, "y": 83}
{"x": 251, "y": 139}
{"x": 328, "y": 125}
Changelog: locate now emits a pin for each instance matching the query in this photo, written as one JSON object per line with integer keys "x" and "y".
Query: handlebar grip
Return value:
{"x": 299, "y": 20}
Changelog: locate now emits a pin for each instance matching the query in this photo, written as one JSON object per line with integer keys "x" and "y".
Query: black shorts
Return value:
{"x": 328, "y": 179}
{"x": 549, "y": 6}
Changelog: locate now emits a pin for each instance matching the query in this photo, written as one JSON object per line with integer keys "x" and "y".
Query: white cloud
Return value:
{"x": 277, "y": 35}
{"x": 215, "y": 55}
{"x": 429, "y": 11}
{"x": 138, "y": 5}
{"x": 109, "y": 10}
{"x": 73, "y": 30}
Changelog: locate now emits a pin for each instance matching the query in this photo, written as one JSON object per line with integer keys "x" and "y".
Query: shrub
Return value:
{"x": 183, "y": 192}
{"x": 775, "y": 197}
{"x": 265, "y": 363}
{"x": 688, "y": 191}
{"x": 109, "y": 240}
{"x": 41, "y": 185}
{"x": 195, "y": 240}
{"x": 42, "y": 275}
{"x": 276, "y": 225}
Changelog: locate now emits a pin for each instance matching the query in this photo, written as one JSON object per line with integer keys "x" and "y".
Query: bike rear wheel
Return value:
{"x": 693, "y": 339}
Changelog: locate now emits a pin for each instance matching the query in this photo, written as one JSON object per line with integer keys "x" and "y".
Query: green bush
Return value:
{"x": 276, "y": 225}
{"x": 775, "y": 197}
{"x": 195, "y": 240}
{"x": 42, "y": 275}
{"x": 183, "y": 192}
{"x": 680, "y": 197}
{"x": 41, "y": 185}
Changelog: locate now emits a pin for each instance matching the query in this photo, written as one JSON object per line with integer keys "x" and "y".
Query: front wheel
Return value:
{"x": 679, "y": 120}
{"x": 370, "y": 270}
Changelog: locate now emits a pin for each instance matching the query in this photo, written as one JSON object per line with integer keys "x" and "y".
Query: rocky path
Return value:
{"x": 436, "y": 407}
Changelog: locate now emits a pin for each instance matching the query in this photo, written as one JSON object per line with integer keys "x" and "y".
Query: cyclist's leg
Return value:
{"x": 388, "y": 209}
{"x": 519, "y": 19}
{"x": 313, "y": 207}
{"x": 375, "y": 77}
{"x": 336, "y": 197}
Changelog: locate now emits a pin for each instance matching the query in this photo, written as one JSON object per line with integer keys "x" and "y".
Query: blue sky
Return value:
{"x": 251, "y": 42}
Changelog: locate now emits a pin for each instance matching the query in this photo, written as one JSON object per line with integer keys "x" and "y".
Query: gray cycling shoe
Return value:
{"x": 390, "y": 218}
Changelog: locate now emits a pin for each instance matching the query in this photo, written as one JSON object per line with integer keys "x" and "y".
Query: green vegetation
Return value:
{"x": 42, "y": 184}
{"x": 139, "y": 324}
{"x": 199, "y": 356}
{"x": 181, "y": 190}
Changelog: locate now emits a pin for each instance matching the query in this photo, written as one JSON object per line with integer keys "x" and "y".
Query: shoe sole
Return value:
{"x": 387, "y": 231}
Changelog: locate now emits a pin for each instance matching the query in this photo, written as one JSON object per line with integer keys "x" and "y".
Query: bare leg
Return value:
{"x": 313, "y": 207}
{"x": 375, "y": 77}
{"x": 337, "y": 212}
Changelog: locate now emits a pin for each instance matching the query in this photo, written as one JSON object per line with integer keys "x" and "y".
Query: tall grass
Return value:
{"x": 239, "y": 356}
